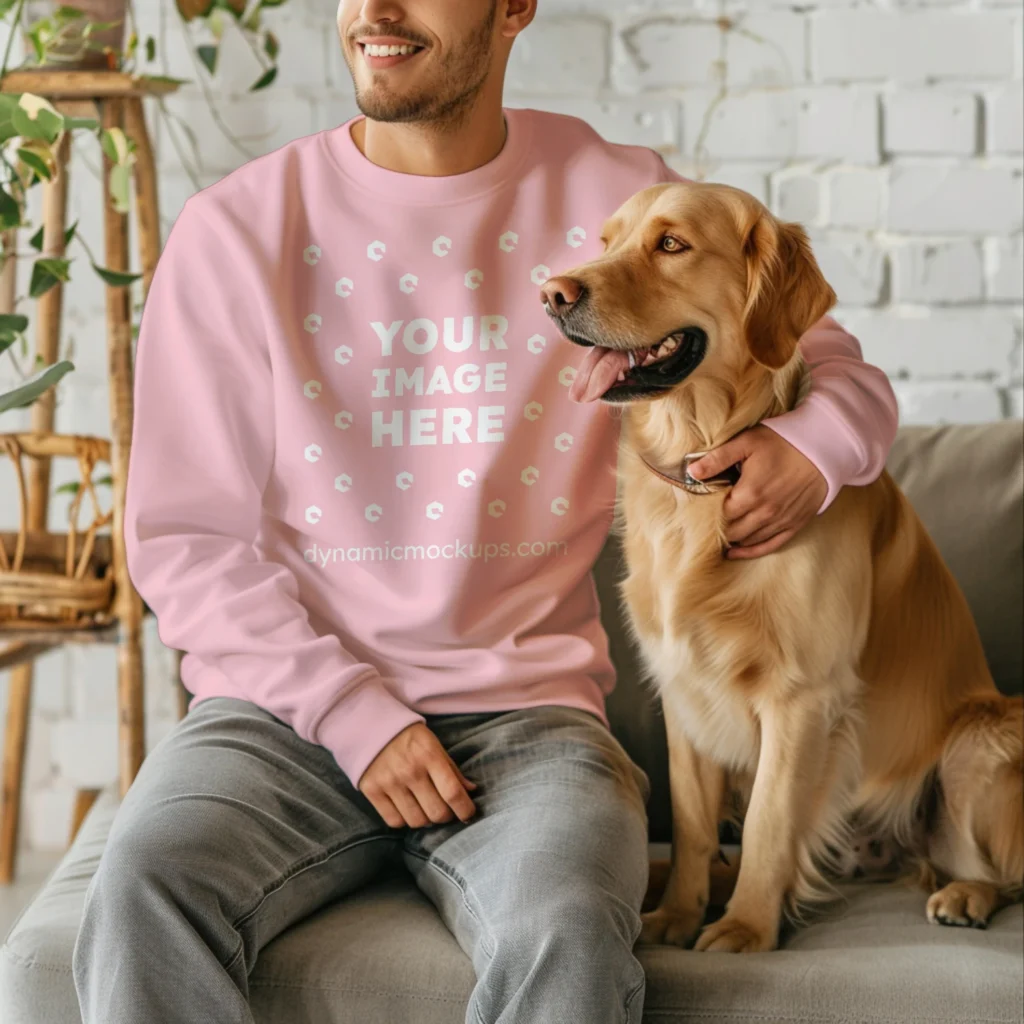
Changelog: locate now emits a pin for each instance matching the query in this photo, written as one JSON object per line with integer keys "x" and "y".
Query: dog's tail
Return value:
{"x": 982, "y": 774}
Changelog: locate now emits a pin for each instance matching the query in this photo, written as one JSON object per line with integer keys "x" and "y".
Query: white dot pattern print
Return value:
{"x": 447, "y": 369}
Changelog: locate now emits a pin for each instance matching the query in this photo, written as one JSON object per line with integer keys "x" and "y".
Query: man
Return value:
{"x": 362, "y": 502}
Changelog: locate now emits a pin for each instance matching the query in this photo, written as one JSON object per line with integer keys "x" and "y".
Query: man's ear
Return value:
{"x": 786, "y": 291}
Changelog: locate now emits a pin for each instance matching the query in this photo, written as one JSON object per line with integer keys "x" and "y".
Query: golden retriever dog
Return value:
{"x": 837, "y": 682}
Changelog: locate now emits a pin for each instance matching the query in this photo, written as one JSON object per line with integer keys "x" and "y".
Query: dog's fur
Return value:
{"x": 840, "y": 678}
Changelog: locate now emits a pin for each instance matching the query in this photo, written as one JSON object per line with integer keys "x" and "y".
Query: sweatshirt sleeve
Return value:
{"x": 847, "y": 422}
{"x": 201, "y": 457}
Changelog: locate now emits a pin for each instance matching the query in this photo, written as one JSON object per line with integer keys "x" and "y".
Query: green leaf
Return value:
{"x": 120, "y": 187}
{"x": 67, "y": 13}
{"x": 46, "y": 273}
{"x": 107, "y": 480}
{"x": 36, "y": 241}
{"x": 37, "y": 162}
{"x": 36, "y": 385}
{"x": 265, "y": 79}
{"x": 115, "y": 145}
{"x": 6, "y": 343}
{"x": 12, "y": 323}
{"x": 150, "y": 48}
{"x": 71, "y": 487}
{"x": 10, "y": 212}
{"x": 271, "y": 46}
{"x": 35, "y": 118}
{"x": 163, "y": 78}
{"x": 117, "y": 278}
{"x": 208, "y": 55}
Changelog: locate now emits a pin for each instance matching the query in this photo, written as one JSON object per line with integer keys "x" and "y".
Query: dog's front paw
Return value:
{"x": 733, "y": 935}
{"x": 664, "y": 927}
{"x": 963, "y": 905}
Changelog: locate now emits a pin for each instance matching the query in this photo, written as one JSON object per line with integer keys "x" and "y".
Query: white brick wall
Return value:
{"x": 893, "y": 131}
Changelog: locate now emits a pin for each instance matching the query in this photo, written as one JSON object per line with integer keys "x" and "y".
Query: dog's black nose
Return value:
{"x": 560, "y": 294}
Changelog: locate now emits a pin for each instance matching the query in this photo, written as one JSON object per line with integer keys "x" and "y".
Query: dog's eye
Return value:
{"x": 672, "y": 244}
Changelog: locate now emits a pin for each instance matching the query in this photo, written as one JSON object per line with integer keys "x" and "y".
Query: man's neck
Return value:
{"x": 431, "y": 149}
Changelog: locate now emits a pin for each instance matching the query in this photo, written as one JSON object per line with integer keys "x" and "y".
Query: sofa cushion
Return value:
{"x": 383, "y": 956}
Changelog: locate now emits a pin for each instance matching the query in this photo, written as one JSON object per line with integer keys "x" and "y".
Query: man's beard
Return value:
{"x": 458, "y": 80}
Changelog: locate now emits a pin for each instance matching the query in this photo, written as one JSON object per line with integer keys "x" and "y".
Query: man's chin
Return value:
{"x": 389, "y": 109}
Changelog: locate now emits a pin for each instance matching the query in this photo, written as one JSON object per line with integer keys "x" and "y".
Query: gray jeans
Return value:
{"x": 236, "y": 828}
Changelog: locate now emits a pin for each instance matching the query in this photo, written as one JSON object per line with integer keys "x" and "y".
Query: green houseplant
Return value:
{"x": 90, "y": 34}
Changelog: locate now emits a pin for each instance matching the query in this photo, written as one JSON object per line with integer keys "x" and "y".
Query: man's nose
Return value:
{"x": 560, "y": 294}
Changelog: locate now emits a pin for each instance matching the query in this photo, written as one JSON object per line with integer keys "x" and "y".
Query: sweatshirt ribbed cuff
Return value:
{"x": 819, "y": 436}
{"x": 360, "y": 725}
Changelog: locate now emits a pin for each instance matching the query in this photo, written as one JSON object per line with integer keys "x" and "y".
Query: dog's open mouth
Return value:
{"x": 619, "y": 375}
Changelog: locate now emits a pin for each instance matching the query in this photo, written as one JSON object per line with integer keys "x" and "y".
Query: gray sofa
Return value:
{"x": 384, "y": 956}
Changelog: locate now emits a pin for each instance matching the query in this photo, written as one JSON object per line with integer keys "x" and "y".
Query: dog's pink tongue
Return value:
{"x": 599, "y": 370}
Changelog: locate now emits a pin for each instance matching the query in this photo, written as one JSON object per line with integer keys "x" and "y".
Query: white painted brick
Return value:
{"x": 665, "y": 52}
{"x": 1017, "y": 34}
{"x": 564, "y": 56}
{"x": 938, "y": 273}
{"x": 942, "y": 345}
{"x": 1005, "y": 268}
{"x": 955, "y": 199}
{"x": 93, "y": 674}
{"x": 305, "y": 43}
{"x": 787, "y": 124}
{"x": 798, "y": 195}
{"x": 750, "y": 177}
{"x": 39, "y": 763}
{"x": 261, "y": 123}
{"x": 46, "y": 816}
{"x": 633, "y": 122}
{"x": 922, "y": 121}
{"x": 1015, "y": 402}
{"x": 864, "y": 44}
{"x": 1004, "y": 120}
{"x": 937, "y": 404}
{"x": 332, "y": 109}
{"x": 83, "y": 406}
{"x": 86, "y": 751}
{"x": 856, "y": 197}
{"x": 852, "y": 264}
{"x": 50, "y": 683}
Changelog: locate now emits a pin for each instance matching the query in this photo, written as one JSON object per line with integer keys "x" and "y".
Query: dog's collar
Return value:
{"x": 692, "y": 485}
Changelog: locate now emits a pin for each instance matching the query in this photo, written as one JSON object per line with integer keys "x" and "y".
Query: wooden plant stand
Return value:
{"x": 92, "y": 599}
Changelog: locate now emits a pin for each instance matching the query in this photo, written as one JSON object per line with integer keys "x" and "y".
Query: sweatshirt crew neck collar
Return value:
{"x": 433, "y": 189}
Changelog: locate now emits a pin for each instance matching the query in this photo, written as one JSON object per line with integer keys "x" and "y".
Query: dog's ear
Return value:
{"x": 786, "y": 291}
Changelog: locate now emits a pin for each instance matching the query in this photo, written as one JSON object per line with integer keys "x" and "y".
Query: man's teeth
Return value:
{"x": 388, "y": 51}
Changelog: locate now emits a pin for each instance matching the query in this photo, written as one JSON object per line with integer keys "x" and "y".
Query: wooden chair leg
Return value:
{"x": 19, "y": 706}
{"x": 130, "y": 704}
{"x": 84, "y": 799}
{"x": 183, "y": 695}
{"x": 127, "y": 603}
{"x": 147, "y": 207}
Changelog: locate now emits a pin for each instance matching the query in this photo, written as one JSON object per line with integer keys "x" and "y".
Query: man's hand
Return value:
{"x": 779, "y": 491}
{"x": 414, "y": 782}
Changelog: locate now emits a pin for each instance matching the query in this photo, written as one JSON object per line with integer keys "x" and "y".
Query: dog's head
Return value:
{"x": 694, "y": 278}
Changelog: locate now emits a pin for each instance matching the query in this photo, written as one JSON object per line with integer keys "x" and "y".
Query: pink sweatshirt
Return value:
{"x": 359, "y": 493}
